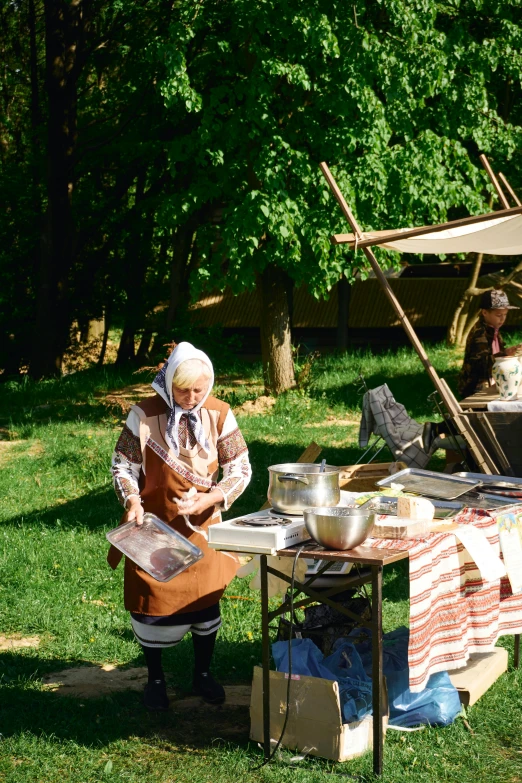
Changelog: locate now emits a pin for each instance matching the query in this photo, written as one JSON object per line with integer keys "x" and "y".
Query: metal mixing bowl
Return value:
{"x": 340, "y": 527}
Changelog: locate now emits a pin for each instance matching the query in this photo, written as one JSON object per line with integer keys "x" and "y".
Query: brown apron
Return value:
{"x": 162, "y": 478}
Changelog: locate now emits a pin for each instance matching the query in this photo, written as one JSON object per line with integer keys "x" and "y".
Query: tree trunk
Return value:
{"x": 181, "y": 248}
{"x": 126, "y": 351}
{"x": 278, "y": 365}
{"x": 470, "y": 323}
{"x": 83, "y": 329}
{"x": 461, "y": 318}
{"x": 63, "y": 45}
{"x": 138, "y": 252}
{"x": 184, "y": 257}
{"x": 36, "y": 115}
{"x": 465, "y": 315}
{"x": 144, "y": 346}
{"x": 107, "y": 325}
{"x": 344, "y": 290}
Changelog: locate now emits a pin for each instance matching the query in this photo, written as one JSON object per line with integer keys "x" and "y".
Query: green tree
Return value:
{"x": 151, "y": 142}
{"x": 400, "y": 96}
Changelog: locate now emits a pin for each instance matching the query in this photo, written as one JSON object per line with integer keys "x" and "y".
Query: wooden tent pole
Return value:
{"x": 494, "y": 181}
{"x": 383, "y": 281}
{"x": 480, "y": 455}
{"x": 383, "y": 237}
{"x": 509, "y": 189}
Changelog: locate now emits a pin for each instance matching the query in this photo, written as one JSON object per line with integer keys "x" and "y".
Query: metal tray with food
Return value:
{"x": 444, "y": 509}
{"x": 430, "y": 484}
{"x": 155, "y": 547}
{"x": 500, "y": 482}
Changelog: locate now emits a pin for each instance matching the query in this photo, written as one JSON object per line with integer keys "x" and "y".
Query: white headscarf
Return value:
{"x": 162, "y": 384}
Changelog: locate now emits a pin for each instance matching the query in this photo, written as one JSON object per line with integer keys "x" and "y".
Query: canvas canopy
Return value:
{"x": 398, "y": 240}
{"x": 486, "y": 234}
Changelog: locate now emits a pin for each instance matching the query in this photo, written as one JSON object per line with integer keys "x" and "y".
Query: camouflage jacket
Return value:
{"x": 478, "y": 359}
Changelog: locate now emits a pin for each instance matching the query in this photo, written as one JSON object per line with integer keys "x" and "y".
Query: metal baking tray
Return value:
{"x": 500, "y": 482}
{"x": 485, "y": 500}
{"x": 430, "y": 484}
{"x": 155, "y": 547}
{"x": 387, "y": 505}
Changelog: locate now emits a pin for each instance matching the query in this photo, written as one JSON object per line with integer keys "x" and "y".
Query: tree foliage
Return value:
{"x": 399, "y": 97}
{"x": 198, "y": 130}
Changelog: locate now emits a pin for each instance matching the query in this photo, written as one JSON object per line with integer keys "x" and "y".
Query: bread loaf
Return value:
{"x": 415, "y": 508}
{"x": 395, "y": 527}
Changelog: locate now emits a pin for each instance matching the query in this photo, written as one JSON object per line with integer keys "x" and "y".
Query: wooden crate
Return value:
{"x": 363, "y": 478}
{"x": 508, "y": 429}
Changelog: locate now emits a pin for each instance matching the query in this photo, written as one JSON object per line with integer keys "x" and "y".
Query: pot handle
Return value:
{"x": 293, "y": 477}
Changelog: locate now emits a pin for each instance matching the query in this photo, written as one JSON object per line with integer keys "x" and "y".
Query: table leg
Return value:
{"x": 265, "y": 640}
{"x": 377, "y": 676}
{"x": 516, "y": 656}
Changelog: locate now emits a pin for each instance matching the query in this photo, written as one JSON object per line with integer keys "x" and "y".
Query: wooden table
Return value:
{"x": 369, "y": 564}
{"x": 479, "y": 400}
{"x": 500, "y": 430}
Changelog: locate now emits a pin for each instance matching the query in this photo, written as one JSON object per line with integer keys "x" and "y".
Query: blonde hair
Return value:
{"x": 189, "y": 372}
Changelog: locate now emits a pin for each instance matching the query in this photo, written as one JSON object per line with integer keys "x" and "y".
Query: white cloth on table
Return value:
{"x": 453, "y": 611}
{"x": 505, "y": 406}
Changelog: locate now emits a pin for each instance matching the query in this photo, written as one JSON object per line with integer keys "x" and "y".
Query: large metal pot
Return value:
{"x": 296, "y": 486}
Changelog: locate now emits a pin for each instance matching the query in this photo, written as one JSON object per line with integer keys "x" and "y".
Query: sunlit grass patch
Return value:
{"x": 57, "y": 503}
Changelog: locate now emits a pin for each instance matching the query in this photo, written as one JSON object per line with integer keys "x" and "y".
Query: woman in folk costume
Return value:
{"x": 172, "y": 443}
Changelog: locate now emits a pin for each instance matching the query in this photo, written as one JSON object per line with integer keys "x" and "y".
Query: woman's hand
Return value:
{"x": 133, "y": 510}
{"x": 513, "y": 350}
{"x": 201, "y": 501}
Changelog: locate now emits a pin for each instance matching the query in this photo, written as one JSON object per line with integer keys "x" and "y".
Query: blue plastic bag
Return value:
{"x": 394, "y": 648}
{"x": 437, "y": 705}
{"x": 306, "y": 659}
{"x": 343, "y": 666}
{"x": 355, "y": 687}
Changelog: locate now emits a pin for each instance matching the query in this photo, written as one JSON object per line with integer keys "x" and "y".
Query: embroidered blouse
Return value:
{"x": 232, "y": 453}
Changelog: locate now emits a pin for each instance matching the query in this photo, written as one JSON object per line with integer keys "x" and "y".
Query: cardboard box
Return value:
{"x": 364, "y": 478}
{"x": 479, "y": 674}
{"x": 315, "y": 723}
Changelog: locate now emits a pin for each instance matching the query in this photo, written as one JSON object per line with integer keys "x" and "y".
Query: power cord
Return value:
{"x": 348, "y": 775}
{"x": 287, "y": 712}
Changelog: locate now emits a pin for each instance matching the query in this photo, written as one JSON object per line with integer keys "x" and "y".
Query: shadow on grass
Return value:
{"x": 25, "y": 708}
{"x": 28, "y": 402}
{"x": 65, "y": 399}
{"x": 99, "y": 509}
{"x": 411, "y": 390}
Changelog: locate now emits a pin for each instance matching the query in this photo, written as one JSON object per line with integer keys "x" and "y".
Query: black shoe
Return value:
{"x": 204, "y": 685}
{"x": 429, "y": 433}
{"x": 155, "y": 696}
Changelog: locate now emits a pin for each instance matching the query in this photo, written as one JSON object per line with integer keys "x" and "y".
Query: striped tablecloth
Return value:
{"x": 453, "y": 612}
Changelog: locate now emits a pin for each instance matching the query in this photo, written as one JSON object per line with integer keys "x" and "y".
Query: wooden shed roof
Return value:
{"x": 426, "y": 301}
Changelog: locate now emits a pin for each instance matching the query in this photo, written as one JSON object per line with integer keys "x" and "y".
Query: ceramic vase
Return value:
{"x": 507, "y": 374}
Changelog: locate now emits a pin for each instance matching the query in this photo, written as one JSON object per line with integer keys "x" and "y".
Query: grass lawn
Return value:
{"x": 56, "y": 505}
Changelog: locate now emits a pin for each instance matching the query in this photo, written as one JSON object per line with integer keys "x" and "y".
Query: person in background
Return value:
{"x": 170, "y": 450}
{"x": 484, "y": 343}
